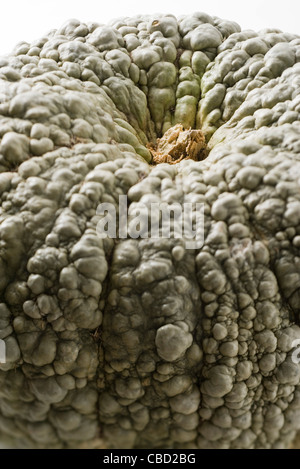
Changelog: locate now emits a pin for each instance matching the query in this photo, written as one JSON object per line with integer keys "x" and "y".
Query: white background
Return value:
{"x": 30, "y": 19}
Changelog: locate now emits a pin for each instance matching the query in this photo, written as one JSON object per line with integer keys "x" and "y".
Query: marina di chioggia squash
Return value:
{"x": 141, "y": 341}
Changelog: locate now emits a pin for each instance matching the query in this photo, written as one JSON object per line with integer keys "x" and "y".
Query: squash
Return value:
{"x": 141, "y": 342}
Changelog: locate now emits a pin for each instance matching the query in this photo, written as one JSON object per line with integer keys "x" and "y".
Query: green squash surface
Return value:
{"x": 142, "y": 343}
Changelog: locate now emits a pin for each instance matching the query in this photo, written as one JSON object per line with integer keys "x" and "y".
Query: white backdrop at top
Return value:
{"x": 30, "y": 19}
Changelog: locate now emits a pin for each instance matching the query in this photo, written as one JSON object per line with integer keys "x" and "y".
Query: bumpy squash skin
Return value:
{"x": 138, "y": 342}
